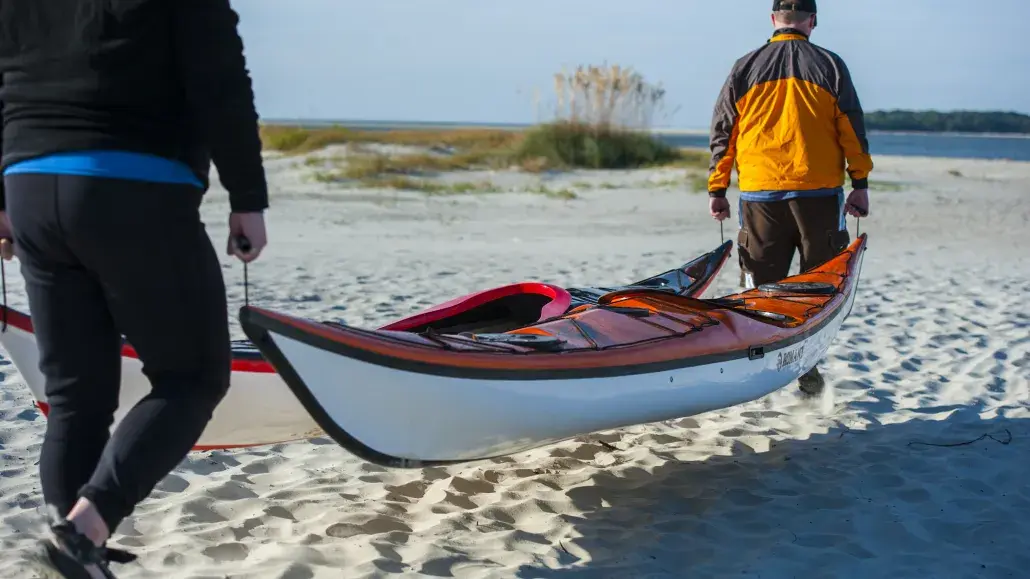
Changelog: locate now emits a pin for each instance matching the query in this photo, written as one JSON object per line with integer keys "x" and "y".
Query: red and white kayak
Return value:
{"x": 636, "y": 355}
{"x": 260, "y": 409}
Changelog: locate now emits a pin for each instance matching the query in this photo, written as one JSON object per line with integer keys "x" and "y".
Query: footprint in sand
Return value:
{"x": 442, "y": 567}
{"x": 471, "y": 487}
{"x": 258, "y": 467}
{"x": 687, "y": 423}
{"x": 172, "y": 484}
{"x": 231, "y": 491}
{"x": 200, "y": 512}
{"x": 376, "y": 526}
{"x": 582, "y": 452}
{"x": 279, "y": 513}
{"x": 460, "y": 501}
{"x": 227, "y": 552}
{"x": 244, "y": 530}
{"x": 297, "y": 571}
{"x": 414, "y": 490}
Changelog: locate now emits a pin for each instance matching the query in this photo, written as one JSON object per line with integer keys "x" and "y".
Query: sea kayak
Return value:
{"x": 636, "y": 355}
{"x": 260, "y": 409}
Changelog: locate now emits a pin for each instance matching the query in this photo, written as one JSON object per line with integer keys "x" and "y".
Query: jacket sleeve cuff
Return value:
{"x": 860, "y": 183}
{"x": 249, "y": 201}
{"x": 717, "y": 193}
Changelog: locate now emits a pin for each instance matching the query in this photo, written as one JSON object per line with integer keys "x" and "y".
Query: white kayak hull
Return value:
{"x": 258, "y": 408}
{"x": 417, "y": 416}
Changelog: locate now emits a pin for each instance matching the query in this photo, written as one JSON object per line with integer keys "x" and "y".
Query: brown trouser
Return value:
{"x": 771, "y": 230}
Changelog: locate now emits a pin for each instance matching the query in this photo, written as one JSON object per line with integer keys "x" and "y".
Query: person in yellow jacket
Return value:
{"x": 788, "y": 117}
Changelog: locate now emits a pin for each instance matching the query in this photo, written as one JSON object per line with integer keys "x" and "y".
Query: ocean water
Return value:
{"x": 919, "y": 145}
{"x": 955, "y": 146}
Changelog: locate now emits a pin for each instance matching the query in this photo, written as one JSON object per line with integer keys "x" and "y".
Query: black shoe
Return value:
{"x": 811, "y": 382}
{"x": 68, "y": 553}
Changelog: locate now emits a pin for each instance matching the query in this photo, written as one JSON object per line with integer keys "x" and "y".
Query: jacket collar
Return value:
{"x": 781, "y": 34}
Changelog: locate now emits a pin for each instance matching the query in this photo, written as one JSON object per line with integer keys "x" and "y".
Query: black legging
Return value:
{"x": 103, "y": 258}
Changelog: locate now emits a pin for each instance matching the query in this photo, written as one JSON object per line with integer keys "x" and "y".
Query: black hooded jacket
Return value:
{"x": 164, "y": 77}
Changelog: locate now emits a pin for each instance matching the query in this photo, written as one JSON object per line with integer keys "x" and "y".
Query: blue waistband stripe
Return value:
{"x": 110, "y": 164}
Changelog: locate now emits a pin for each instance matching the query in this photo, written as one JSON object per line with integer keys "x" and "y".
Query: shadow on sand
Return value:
{"x": 885, "y": 501}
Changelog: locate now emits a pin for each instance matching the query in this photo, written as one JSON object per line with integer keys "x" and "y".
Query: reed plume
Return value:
{"x": 607, "y": 98}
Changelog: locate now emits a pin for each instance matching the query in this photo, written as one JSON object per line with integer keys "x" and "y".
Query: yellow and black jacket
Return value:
{"x": 787, "y": 117}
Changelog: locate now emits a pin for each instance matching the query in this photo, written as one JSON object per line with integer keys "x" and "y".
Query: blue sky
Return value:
{"x": 480, "y": 60}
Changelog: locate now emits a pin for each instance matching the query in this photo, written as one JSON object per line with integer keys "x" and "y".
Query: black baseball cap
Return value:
{"x": 798, "y": 5}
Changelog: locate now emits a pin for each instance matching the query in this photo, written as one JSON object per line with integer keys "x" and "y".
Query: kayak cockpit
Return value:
{"x": 495, "y": 310}
{"x": 503, "y": 314}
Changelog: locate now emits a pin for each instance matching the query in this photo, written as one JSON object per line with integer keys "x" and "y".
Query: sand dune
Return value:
{"x": 859, "y": 482}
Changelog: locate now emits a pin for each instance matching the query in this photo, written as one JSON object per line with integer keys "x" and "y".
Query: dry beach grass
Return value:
{"x": 911, "y": 464}
{"x": 602, "y": 120}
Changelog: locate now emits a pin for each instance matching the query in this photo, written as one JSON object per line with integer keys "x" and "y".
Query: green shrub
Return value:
{"x": 570, "y": 144}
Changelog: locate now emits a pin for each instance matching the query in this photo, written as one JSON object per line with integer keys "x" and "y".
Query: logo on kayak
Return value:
{"x": 787, "y": 358}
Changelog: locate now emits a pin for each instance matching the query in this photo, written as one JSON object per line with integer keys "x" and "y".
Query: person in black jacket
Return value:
{"x": 113, "y": 111}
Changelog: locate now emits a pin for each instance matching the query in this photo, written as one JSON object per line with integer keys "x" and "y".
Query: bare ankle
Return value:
{"x": 87, "y": 520}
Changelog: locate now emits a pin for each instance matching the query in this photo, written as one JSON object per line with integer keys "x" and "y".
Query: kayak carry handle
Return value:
{"x": 243, "y": 244}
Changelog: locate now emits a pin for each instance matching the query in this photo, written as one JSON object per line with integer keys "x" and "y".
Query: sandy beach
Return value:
{"x": 856, "y": 483}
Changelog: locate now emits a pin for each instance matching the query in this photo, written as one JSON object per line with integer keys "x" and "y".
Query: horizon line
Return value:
{"x": 666, "y": 130}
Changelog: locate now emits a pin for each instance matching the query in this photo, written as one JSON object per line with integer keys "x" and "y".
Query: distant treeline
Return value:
{"x": 951, "y": 122}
